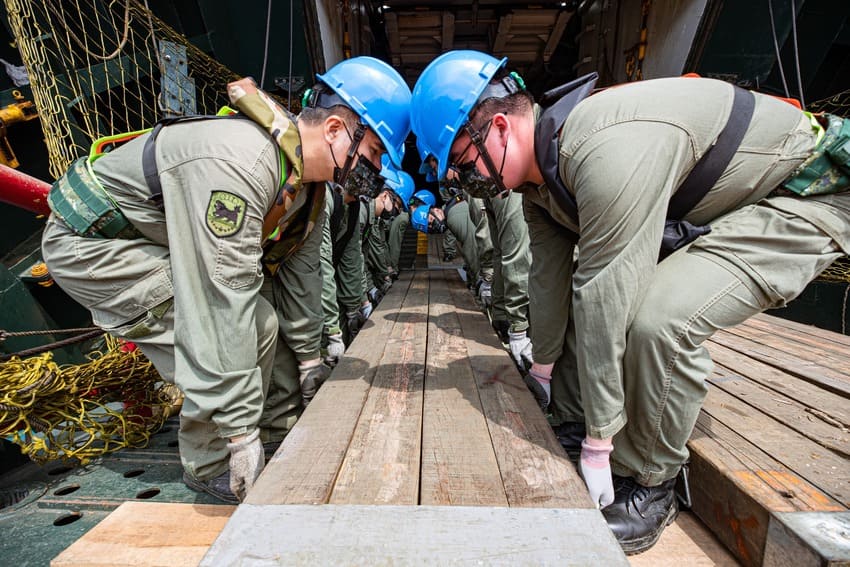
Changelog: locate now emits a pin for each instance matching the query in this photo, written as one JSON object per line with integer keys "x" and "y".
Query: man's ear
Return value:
{"x": 333, "y": 126}
{"x": 502, "y": 125}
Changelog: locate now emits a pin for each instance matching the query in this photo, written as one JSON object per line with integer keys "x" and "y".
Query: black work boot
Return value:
{"x": 640, "y": 513}
{"x": 571, "y": 434}
{"x": 218, "y": 487}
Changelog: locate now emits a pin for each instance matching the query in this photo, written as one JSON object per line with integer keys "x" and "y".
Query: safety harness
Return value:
{"x": 559, "y": 102}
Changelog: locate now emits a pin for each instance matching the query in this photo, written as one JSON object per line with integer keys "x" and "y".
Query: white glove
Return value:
{"x": 520, "y": 346}
{"x": 485, "y": 294}
{"x": 336, "y": 348}
{"x": 595, "y": 469}
{"x": 246, "y": 461}
{"x": 373, "y": 295}
{"x": 540, "y": 386}
{"x": 364, "y": 312}
{"x": 312, "y": 375}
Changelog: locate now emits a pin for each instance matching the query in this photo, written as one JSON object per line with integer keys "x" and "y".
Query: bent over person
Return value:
{"x": 167, "y": 238}
{"x": 745, "y": 192}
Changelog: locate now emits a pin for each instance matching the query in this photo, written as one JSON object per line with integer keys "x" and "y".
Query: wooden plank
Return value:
{"x": 408, "y": 536}
{"x": 821, "y": 467}
{"x": 792, "y": 412}
{"x": 685, "y": 542}
{"x": 823, "y": 405}
{"x": 835, "y": 343}
{"x": 736, "y": 486}
{"x": 305, "y": 466}
{"x": 813, "y": 538}
{"x": 807, "y": 370}
{"x": 535, "y": 470}
{"x": 381, "y": 465}
{"x": 459, "y": 465}
{"x": 810, "y": 329}
{"x": 797, "y": 344}
{"x": 149, "y": 534}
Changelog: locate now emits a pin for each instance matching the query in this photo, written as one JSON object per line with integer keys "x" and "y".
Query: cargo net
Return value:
{"x": 839, "y": 105}
{"x": 103, "y": 67}
{"x": 82, "y": 411}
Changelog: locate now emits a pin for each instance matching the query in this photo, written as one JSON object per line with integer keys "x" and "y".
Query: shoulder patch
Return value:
{"x": 225, "y": 213}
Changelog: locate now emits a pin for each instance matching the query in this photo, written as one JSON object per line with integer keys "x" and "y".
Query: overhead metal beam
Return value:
{"x": 502, "y": 35}
{"x": 555, "y": 35}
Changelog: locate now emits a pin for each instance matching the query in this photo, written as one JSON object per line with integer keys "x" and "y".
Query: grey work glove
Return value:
{"x": 364, "y": 312}
{"x": 595, "y": 469}
{"x": 336, "y": 348}
{"x": 539, "y": 384}
{"x": 485, "y": 294}
{"x": 374, "y": 295}
{"x": 246, "y": 461}
{"x": 520, "y": 346}
{"x": 312, "y": 375}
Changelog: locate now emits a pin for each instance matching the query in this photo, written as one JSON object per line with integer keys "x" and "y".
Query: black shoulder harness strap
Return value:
{"x": 149, "y": 167}
{"x": 452, "y": 202}
{"x": 701, "y": 178}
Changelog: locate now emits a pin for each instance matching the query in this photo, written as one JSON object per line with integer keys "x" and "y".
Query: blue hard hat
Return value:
{"x": 444, "y": 95}
{"x": 379, "y": 95}
{"x": 399, "y": 181}
{"x": 425, "y": 196}
{"x": 419, "y": 218}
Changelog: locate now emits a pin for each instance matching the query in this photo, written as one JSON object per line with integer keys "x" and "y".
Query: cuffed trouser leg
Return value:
{"x": 566, "y": 394}
{"x": 755, "y": 258}
{"x": 283, "y": 390}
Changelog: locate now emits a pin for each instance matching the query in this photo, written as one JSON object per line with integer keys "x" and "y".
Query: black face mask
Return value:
{"x": 472, "y": 180}
{"x": 364, "y": 180}
{"x": 475, "y": 183}
{"x": 389, "y": 213}
{"x": 437, "y": 226}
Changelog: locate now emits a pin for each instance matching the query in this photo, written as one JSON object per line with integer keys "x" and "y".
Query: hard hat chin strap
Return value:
{"x": 341, "y": 174}
{"x": 478, "y": 140}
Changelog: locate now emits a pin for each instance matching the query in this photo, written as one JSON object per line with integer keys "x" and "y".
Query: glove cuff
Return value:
{"x": 331, "y": 331}
{"x": 596, "y": 457}
{"x": 542, "y": 378}
{"x": 517, "y": 336}
{"x": 250, "y": 438}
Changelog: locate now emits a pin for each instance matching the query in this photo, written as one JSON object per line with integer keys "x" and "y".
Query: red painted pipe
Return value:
{"x": 23, "y": 190}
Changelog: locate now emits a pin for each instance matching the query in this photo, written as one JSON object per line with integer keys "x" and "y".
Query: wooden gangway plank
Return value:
{"x": 771, "y": 447}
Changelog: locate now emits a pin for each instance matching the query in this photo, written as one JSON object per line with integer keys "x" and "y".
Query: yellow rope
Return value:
{"x": 113, "y": 401}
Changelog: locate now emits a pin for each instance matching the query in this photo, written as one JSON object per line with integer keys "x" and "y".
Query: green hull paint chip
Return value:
{"x": 225, "y": 213}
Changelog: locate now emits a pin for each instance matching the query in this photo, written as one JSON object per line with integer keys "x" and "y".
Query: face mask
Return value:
{"x": 389, "y": 213}
{"x": 364, "y": 180}
{"x": 475, "y": 183}
{"x": 437, "y": 226}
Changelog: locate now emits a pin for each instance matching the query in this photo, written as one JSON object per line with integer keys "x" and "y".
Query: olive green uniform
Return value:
{"x": 375, "y": 253}
{"x": 395, "y": 237}
{"x": 343, "y": 282}
{"x": 635, "y": 342}
{"x": 460, "y": 223}
{"x": 181, "y": 290}
{"x": 512, "y": 258}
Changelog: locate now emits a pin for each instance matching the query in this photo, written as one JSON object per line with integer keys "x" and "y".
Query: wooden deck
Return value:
{"x": 425, "y": 446}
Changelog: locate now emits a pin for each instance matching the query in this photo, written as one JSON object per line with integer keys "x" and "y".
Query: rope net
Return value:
{"x": 82, "y": 411}
{"x": 839, "y": 105}
{"x": 104, "y": 67}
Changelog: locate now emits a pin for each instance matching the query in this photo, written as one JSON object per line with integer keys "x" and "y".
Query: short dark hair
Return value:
{"x": 511, "y": 104}
{"x": 312, "y": 115}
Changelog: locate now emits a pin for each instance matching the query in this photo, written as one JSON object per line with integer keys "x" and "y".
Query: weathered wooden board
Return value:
{"x": 459, "y": 465}
{"x": 381, "y": 465}
{"x": 535, "y": 469}
{"x": 414, "y": 535}
{"x": 148, "y": 534}
{"x": 305, "y": 467}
